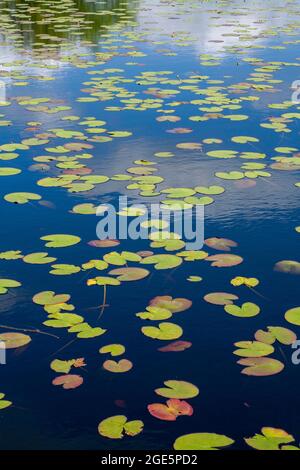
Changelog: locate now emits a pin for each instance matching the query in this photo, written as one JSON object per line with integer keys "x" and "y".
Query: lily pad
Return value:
{"x": 50, "y": 298}
{"x": 129, "y": 274}
{"x": 112, "y": 349}
{"x": 222, "y": 244}
{"x": 124, "y": 365}
{"x": 261, "y": 366}
{"x": 21, "y": 198}
{"x": 171, "y": 410}
{"x": 14, "y": 340}
{"x": 164, "y": 331}
{"x": 270, "y": 439}
{"x": 6, "y": 284}
{"x": 174, "y": 305}
{"x": 178, "y": 389}
{"x": 60, "y": 241}
{"x": 224, "y": 260}
{"x": 246, "y": 310}
{"x": 176, "y": 346}
{"x": 202, "y": 441}
{"x": 253, "y": 349}
{"x": 68, "y": 381}
{"x": 293, "y": 316}
{"x": 162, "y": 261}
{"x": 38, "y": 258}
{"x": 220, "y": 298}
{"x": 115, "y": 427}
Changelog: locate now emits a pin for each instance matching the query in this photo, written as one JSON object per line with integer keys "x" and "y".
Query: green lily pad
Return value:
{"x": 261, "y": 366}
{"x": 202, "y": 441}
{"x": 129, "y": 274}
{"x": 14, "y": 340}
{"x": 38, "y": 258}
{"x": 164, "y": 331}
{"x": 283, "y": 335}
{"x": 155, "y": 313}
{"x": 64, "y": 269}
{"x": 253, "y": 349}
{"x": 220, "y": 298}
{"x": 6, "y": 284}
{"x": 60, "y": 241}
{"x": 120, "y": 259}
{"x": 231, "y": 175}
{"x": 178, "y": 389}
{"x": 162, "y": 261}
{"x": 115, "y": 427}
{"x": 288, "y": 267}
{"x": 21, "y": 198}
{"x": 85, "y": 209}
{"x": 174, "y": 305}
{"x": 11, "y": 255}
{"x": 246, "y": 310}
{"x": 62, "y": 366}
{"x": 104, "y": 281}
{"x": 9, "y": 171}
{"x": 50, "y": 298}
{"x": 112, "y": 349}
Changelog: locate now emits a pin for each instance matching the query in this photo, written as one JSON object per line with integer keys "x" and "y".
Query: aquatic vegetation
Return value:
{"x": 117, "y": 426}
{"x": 171, "y": 410}
{"x": 109, "y": 99}
{"x": 202, "y": 441}
{"x": 272, "y": 439}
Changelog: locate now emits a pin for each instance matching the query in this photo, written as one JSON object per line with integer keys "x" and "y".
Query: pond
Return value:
{"x": 136, "y": 342}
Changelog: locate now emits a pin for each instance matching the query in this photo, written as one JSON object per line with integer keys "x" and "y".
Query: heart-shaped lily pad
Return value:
{"x": 253, "y": 349}
{"x": 202, "y": 441}
{"x": 174, "y": 305}
{"x": 14, "y": 340}
{"x": 38, "y": 258}
{"x": 162, "y": 261}
{"x": 247, "y": 310}
{"x": 220, "y": 298}
{"x": 50, "y": 298}
{"x": 68, "y": 381}
{"x": 224, "y": 260}
{"x": 115, "y": 427}
{"x": 124, "y": 365}
{"x": 155, "y": 313}
{"x": 112, "y": 349}
{"x": 164, "y": 331}
{"x": 178, "y": 389}
{"x": 60, "y": 240}
{"x": 171, "y": 410}
{"x": 6, "y": 284}
{"x": 129, "y": 274}
{"x": 270, "y": 439}
{"x": 261, "y": 366}
{"x": 21, "y": 198}
{"x": 293, "y": 316}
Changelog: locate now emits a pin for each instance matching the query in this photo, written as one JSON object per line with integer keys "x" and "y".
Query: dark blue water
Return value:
{"x": 261, "y": 219}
